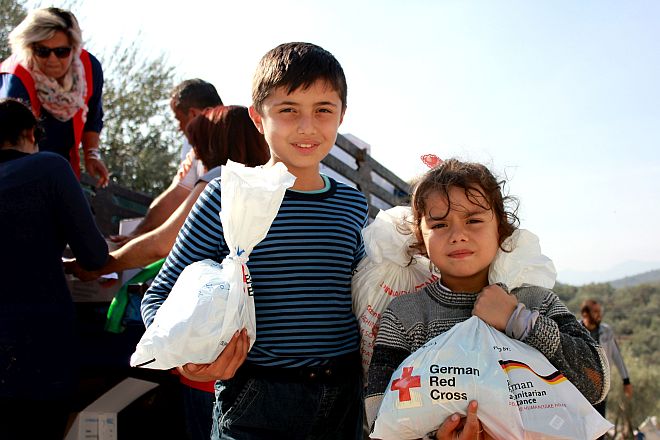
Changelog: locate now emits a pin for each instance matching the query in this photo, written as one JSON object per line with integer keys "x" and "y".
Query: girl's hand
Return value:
{"x": 494, "y": 306}
{"x": 225, "y": 366}
{"x": 457, "y": 428}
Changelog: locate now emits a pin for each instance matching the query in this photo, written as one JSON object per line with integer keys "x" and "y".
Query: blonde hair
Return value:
{"x": 41, "y": 24}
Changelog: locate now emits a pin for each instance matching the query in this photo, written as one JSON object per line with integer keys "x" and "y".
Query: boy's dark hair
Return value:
{"x": 295, "y": 65}
{"x": 481, "y": 188}
{"x": 194, "y": 93}
{"x": 222, "y": 133}
{"x": 15, "y": 118}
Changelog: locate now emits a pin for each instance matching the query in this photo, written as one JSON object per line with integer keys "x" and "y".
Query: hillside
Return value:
{"x": 652, "y": 276}
{"x": 629, "y": 268}
{"x": 631, "y": 306}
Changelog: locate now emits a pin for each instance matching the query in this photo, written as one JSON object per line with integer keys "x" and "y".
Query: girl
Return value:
{"x": 460, "y": 220}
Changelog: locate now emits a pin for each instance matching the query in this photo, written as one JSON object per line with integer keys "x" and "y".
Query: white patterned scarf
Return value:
{"x": 62, "y": 101}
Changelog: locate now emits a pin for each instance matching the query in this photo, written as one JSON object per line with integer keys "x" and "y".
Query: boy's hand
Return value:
{"x": 467, "y": 428}
{"x": 495, "y": 306}
{"x": 225, "y": 366}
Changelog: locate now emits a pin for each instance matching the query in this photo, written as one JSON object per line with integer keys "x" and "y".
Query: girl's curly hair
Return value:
{"x": 481, "y": 188}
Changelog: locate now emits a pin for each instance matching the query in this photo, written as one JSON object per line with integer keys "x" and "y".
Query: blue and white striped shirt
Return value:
{"x": 301, "y": 272}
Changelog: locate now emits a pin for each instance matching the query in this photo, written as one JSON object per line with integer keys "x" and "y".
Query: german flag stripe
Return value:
{"x": 552, "y": 379}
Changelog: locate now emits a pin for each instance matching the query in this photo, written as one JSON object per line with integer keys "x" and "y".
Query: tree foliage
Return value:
{"x": 139, "y": 138}
{"x": 12, "y": 12}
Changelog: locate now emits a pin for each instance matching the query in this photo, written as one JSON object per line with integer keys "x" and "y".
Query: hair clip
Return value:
{"x": 431, "y": 160}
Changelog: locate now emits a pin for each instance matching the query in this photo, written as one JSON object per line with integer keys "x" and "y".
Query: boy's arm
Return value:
{"x": 565, "y": 343}
{"x": 200, "y": 238}
{"x": 390, "y": 349}
{"x": 360, "y": 252}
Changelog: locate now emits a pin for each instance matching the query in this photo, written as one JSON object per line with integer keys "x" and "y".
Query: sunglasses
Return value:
{"x": 44, "y": 52}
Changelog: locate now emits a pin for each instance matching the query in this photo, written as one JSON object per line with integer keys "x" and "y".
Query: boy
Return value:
{"x": 302, "y": 377}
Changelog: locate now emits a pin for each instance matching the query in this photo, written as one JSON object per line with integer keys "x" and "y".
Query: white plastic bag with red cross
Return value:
{"x": 521, "y": 394}
{"x": 209, "y": 301}
{"x": 386, "y": 272}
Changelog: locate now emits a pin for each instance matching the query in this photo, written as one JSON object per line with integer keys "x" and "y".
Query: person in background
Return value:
{"x": 592, "y": 315}
{"x": 218, "y": 134}
{"x": 188, "y": 99}
{"x": 42, "y": 209}
{"x": 302, "y": 378}
{"x": 62, "y": 82}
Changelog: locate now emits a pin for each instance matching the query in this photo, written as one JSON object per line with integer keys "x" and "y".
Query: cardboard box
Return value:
{"x": 99, "y": 420}
{"x": 103, "y": 290}
{"x": 126, "y": 226}
{"x": 92, "y": 291}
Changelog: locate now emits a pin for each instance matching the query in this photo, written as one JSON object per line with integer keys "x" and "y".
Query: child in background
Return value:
{"x": 460, "y": 220}
{"x": 302, "y": 377}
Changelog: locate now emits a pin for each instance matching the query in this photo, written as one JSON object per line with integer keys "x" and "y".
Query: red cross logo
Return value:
{"x": 406, "y": 382}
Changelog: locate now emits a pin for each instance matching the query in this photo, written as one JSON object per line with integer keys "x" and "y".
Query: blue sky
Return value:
{"x": 561, "y": 97}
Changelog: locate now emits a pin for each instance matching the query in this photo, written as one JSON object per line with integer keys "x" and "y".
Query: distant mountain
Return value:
{"x": 652, "y": 276}
{"x": 617, "y": 273}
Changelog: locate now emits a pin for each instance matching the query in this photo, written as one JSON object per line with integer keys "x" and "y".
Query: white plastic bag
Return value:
{"x": 521, "y": 394}
{"x": 525, "y": 264}
{"x": 185, "y": 327}
{"x": 384, "y": 274}
{"x": 211, "y": 301}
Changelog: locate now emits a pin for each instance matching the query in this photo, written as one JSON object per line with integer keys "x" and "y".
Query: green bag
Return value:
{"x": 115, "y": 317}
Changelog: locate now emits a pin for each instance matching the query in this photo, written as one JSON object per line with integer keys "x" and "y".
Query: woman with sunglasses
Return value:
{"x": 62, "y": 82}
{"x": 42, "y": 209}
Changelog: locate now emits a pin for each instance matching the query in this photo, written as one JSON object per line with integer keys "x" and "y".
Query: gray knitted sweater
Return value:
{"x": 412, "y": 320}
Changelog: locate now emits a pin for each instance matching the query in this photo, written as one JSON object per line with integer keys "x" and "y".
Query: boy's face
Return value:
{"x": 463, "y": 244}
{"x": 300, "y": 127}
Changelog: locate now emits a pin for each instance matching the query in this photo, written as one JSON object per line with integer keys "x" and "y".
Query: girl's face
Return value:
{"x": 463, "y": 244}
